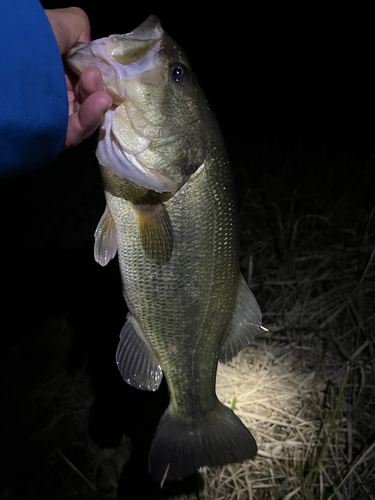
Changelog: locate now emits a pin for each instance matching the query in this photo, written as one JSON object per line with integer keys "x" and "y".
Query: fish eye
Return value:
{"x": 179, "y": 72}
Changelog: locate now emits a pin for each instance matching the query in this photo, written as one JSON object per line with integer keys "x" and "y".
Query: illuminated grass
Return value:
{"x": 306, "y": 389}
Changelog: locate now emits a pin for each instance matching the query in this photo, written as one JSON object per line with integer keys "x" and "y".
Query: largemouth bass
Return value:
{"x": 171, "y": 217}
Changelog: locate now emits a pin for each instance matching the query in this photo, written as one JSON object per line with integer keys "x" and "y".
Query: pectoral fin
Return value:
{"x": 155, "y": 231}
{"x": 137, "y": 364}
{"x": 105, "y": 246}
{"x": 245, "y": 324}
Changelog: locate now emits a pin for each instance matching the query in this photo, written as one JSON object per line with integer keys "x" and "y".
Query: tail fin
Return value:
{"x": 180, "y": 446}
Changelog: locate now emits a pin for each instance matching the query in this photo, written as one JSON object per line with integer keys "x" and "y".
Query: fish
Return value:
{"x": 171, "y": 217}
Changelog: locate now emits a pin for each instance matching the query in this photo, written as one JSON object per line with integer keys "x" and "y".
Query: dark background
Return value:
{"x": 268, "y": 67}
{"x": 277, "y": 75}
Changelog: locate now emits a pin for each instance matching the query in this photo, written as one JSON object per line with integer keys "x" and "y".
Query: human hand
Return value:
{"x": 86, "y": 96}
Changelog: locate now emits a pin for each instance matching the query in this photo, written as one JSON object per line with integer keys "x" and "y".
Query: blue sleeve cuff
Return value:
{"x": 33, "y": 92}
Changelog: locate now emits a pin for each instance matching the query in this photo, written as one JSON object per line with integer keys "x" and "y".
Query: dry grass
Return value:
{"x": 282, "y": 407}
{"x": 306, "y": 391}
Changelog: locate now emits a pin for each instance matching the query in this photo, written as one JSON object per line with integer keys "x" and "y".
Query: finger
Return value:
{"x": 86, "y": 120}
{"x": 70, "y": 78}
{"x": 90, "y": 81}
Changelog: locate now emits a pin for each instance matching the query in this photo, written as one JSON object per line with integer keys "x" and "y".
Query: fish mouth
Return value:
{"x": 130, "y": 144}
{"x": 119, "y": 57}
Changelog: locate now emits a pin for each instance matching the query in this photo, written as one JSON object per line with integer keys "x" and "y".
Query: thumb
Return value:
{"x": 69, "y": 26}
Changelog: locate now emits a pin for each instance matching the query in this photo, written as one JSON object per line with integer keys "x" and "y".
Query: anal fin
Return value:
{"x": 137, "y": 364}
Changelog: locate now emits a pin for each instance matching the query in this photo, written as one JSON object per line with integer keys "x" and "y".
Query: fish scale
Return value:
{"x": 171, "y": 216}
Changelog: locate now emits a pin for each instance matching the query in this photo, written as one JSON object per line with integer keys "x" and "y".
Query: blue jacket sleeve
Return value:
{"x": 33, "y": 93}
